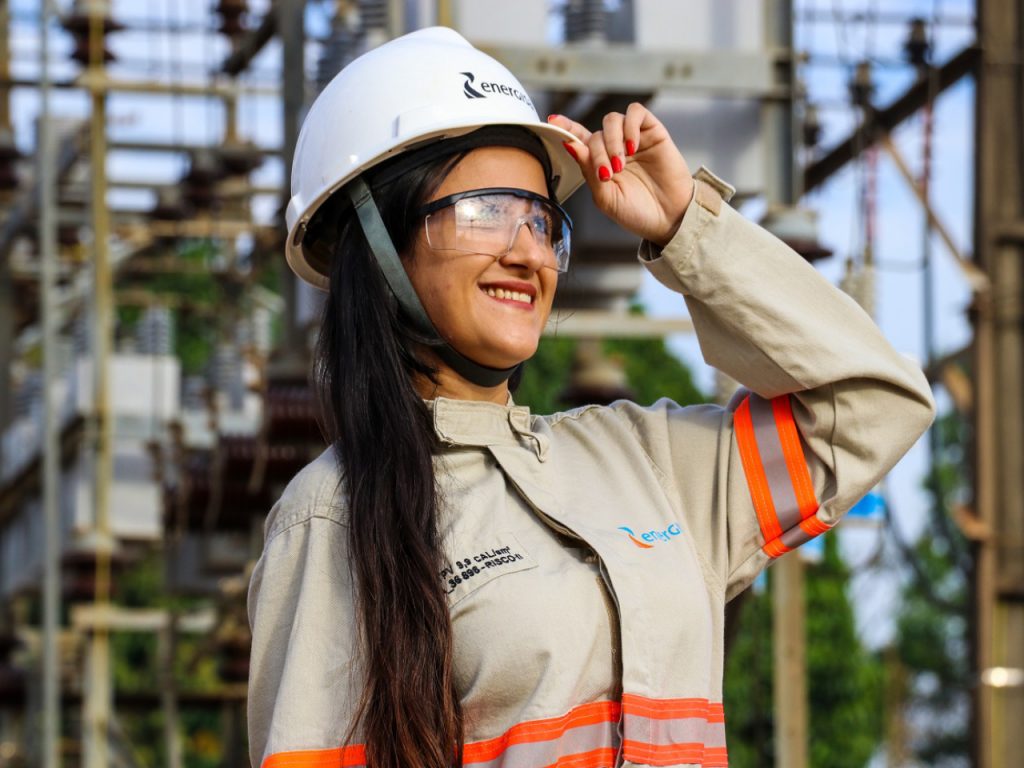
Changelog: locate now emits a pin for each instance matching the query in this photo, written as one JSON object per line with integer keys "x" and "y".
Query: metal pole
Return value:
{"x": 999, "y": 362}
{"x": 51, "y": 415}
{"x": 169, "y": 693}
{"x": 6, "y": 288}
{"x": 291, "y": 28}
{"x": 790, "y": 669}
{"x": 98, "y": 701}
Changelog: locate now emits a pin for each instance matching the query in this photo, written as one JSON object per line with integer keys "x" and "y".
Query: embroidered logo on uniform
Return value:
{"x": 648, "y": 539}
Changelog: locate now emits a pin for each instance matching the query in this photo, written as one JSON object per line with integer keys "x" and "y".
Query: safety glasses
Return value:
{"x": 488, "y": 221}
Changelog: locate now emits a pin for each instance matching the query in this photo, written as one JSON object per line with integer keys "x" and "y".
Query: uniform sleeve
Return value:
{"x": 827, "y": 405}
{"x": 302, "y": 682}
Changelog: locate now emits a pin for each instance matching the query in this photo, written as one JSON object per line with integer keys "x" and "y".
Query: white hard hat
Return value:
{"x": 427, "y": 85}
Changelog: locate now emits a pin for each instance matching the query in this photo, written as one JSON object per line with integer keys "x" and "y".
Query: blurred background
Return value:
{"x": 154, "y": 349}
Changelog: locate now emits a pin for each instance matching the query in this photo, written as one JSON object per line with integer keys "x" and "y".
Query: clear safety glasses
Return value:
{"x": 488, "y": 221}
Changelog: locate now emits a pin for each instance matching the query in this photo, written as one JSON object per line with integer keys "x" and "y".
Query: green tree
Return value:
{"x": 651, "y": 369}
{"x": 932, "y": 671}
{"x": 844, "y": 679}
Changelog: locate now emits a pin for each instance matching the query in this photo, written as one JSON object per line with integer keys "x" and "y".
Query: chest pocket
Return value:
{"x": 473, "y": 565}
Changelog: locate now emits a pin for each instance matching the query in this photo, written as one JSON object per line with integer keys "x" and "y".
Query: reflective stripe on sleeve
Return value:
{"x": 674, "y": 731}
{"x": 777, "y": 474}
{"x": 657, "y": 732}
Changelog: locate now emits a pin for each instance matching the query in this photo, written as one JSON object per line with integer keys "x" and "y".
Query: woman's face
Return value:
{"x": 462, "y": 292}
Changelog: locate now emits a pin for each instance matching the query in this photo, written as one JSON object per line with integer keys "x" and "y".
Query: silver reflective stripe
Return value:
{"x": 574, "y": 741}
{"x": 796, "y": 536}
{"x": 773, "y": 459}
{"x": 677, "y": 730}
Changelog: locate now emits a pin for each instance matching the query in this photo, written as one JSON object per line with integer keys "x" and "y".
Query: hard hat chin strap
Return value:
{"x": 398, "y": 281}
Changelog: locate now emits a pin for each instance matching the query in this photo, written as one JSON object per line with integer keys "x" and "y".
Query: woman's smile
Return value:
{"x": 518, "y": 295}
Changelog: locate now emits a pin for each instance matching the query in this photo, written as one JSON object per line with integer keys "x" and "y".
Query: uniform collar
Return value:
{"x": 480, "y": 424}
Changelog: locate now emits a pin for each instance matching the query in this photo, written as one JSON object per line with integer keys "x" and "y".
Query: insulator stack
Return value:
{"x": 201, "y": 180}
{"x": 811, "y": 126}
{"x": 9, "y": 155}
{"x": 340, "y": 48}
{"x": 586, "y": 20}
{"x": 231, "y": 14}
{"x": 262, "y": 330}
{"x": 239, "y": 158}
{"x": 228, "y": 374}
{"x": 170, "y": 205}
{"x": 29, "y": 395}
{"x": 373, "y": 15}
{"x": 861, "y": 86}
{"x": 917, "y": 47}
{"x": 79, "y": 22}
{"x": 69, "y": 235}
{"x": 154, "y": 335}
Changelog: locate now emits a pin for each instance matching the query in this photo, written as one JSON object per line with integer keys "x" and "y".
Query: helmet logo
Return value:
{"x": 468, "y": 89}
{"x": 488, "y": 87}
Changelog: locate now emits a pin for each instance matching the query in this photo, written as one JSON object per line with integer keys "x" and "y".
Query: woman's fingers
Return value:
{"x": 631, "y": 126}
{"x": 615, "y": 148}
{"x": 600, "y": 162}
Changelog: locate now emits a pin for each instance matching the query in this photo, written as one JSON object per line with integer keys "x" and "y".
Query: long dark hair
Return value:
{"x": 384, "y": 441}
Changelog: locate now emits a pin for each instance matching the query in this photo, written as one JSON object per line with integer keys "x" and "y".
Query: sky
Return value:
{"x": 832, "y": 49}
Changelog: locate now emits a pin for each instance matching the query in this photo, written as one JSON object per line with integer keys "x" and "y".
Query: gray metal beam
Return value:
{"x": 23, "y": 212}
{"x": 250, "y": 45}
{"x": 882, "y": 121}
{"x": 624, "y": 69}
{"x": 291, "y": 27}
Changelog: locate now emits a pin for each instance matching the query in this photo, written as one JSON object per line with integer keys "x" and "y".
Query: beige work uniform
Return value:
{"x": 590, "y": 554}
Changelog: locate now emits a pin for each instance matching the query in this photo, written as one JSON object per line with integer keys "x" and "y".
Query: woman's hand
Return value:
{"x": 636, "y": 175}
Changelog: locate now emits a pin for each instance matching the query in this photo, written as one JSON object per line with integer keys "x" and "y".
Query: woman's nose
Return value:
{"x": 526, "y": 251}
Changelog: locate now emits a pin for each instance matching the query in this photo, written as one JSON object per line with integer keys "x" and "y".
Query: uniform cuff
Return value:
{"x": 668, "y": 264}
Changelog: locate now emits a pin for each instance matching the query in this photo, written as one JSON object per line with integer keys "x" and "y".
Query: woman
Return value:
{"x": 459, "y": 582}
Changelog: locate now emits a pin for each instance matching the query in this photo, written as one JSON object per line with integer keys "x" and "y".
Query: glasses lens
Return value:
{"x": 490, "y": 224}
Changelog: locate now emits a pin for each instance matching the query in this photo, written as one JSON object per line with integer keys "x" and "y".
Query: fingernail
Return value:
{"x": 570, "y": 150}
{"x": 552, "y": 117}
{"x": 630, "y": 147}
{"x": 616, "y": 163}
{"x": 603, "y": 173}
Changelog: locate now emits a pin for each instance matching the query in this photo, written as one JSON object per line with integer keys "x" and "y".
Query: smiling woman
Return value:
{"x": 459, "y": 582}
{"x": 492, "y": 307}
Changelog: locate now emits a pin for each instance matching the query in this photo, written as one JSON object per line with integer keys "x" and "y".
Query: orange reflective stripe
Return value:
{"x": 775, "y": 548}
{"x": 813, "y": 526}
{"x": 598, "y": 758}
{"x": 653, "y": 754}
{"x": 547, "y": 729}
{"x": 670, "y": 708}
{"x": 757, "y": 482}
{"x": 793, "y": 451}
{"x": 338, "y": 757}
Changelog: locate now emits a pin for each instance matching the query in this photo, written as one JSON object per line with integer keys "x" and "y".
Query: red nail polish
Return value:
{"x": 552, "y": 117}
{"x": 616, "y": 163}
{"x": 603, "y": 173}
{"x": 570, "y": 150}
{"x": 630, "y": 147}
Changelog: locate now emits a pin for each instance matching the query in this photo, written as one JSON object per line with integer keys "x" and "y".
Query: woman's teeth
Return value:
{"x": 501, "y": 293}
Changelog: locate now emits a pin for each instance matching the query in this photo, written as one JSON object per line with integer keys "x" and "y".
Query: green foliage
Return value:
{"x": 844, "y": 680}
{"x": 931, "y": 639}
{"x": 138, "y": 669}
{"x": 651, "y": 369}
{"x": 206, "y": 305}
